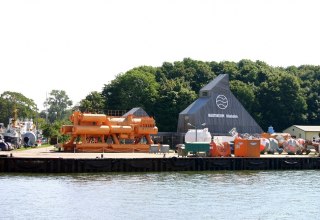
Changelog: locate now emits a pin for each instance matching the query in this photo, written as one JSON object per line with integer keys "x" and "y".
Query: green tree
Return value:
{"x": 58, "y": 104}
{"x": 174, "y": 96}
{"x": 93, "y": 103}
{"x": 135, "y": 88}
{"x": 245, "y": 93}
{"x": 10, "y": 101}
{"x": 52, "y": 130}
{"x": 225, "y": 67}
{"x": 282, "y": 101}
{"x": 312, "y": 96}
{"x": 197, "y": 73}
{"x": 248, "y": 71}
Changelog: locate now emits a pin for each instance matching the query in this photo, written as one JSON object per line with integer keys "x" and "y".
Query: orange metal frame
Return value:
{"x": 102, "y": 133}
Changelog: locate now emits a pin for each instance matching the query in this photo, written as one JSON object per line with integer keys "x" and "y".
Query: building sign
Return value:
{"x": 223, "y": 116}
{"x": 222, "y": 102}
{"x": 216, "y": 115}
{"x": 231, "y": 116}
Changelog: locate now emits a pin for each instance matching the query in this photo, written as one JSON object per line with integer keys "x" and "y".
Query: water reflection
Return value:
{"x": 181, "y": 195}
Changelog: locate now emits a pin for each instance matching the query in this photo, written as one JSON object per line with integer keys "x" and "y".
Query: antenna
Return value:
{"x": 15, "y": 113}
{"x": 45, "y": 105}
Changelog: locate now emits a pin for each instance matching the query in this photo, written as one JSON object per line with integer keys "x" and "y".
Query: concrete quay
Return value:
{"x": 46, "y": 160}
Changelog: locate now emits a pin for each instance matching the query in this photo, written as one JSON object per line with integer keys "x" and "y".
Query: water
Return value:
{"x": 180, "y": 195}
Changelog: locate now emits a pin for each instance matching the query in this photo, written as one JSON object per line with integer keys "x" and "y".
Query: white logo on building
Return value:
{"x": 222, "y": 102}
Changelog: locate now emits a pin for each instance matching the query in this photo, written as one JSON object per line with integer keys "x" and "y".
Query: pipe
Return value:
{"x": 93, "y": 130}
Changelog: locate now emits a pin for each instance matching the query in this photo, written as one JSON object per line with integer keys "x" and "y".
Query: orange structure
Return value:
{"x": 220, "y": 149}
{"x": 102, "y": 133}
{"x": 246, "y": 147}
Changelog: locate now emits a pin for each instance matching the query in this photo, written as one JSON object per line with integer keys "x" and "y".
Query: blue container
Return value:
{"x": 270, "y": 130}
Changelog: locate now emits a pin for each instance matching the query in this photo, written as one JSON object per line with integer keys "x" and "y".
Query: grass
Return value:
{"x": 28, "y": 148}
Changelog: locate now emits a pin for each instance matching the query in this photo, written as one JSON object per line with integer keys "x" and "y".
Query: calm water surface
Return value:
{"x": 181, "y": 195}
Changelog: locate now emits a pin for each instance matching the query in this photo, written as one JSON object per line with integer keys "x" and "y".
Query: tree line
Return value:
{"x": 49, "y": 120}
{"x": 274, "y": 96}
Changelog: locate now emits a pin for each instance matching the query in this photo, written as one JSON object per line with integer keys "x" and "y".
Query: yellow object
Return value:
{"x": 102, "y": 133}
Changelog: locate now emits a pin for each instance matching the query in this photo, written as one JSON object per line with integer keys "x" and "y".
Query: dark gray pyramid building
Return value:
{"x": 219, "y": 109}
{"x": 136, "y": 112}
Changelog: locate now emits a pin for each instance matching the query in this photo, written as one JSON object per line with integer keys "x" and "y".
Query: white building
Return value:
{"x": 304, "y": 131}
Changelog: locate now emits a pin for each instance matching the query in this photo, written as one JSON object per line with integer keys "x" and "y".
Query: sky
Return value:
{"x": 79, "y": 46}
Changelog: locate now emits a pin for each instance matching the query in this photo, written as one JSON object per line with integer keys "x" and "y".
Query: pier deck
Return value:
{"x": 45, "y": 160}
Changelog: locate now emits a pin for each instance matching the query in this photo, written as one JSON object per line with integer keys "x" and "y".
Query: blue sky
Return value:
{"x": 78, "y": 46}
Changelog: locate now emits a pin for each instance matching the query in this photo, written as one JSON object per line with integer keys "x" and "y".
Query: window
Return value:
{"x": 205, "y": 93}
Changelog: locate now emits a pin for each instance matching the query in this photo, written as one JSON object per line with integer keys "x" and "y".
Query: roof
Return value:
{"x": 308, "y": 127}
{"x": 196, "y": 105}
{"x": 220, "y": 79}
{"x": 136, "y": 112}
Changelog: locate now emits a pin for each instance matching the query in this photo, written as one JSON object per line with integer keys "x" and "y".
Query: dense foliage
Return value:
{"x": 56, "y": 114}
{"x": 58, "y": 105}
{"x": 274, "y": 96}
{"x": 14, "y": 101}
{"x": 94, "y": 103}
{"x": 49, "y": 121}
{"x": 137, "y": 88}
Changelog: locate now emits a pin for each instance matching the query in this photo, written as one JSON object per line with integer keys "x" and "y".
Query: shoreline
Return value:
{"x": 49, "y": 152}
{"x": 45, "y": 160}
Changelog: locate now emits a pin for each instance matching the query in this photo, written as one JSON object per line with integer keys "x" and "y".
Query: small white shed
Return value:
{"x": 306, "y": 132}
